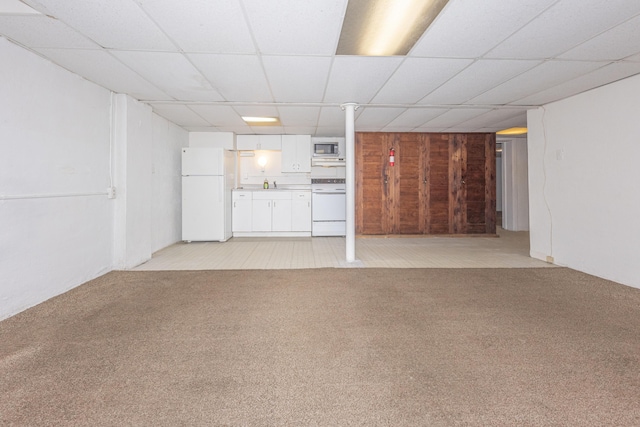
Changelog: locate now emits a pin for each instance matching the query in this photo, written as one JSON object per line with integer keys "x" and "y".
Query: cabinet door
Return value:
{"x": 303, "y": 153}
{"x": 248, "y": 142}
{"x": 289, "y": 153}
{"x": 241, "y": 211}
{"x": 270, "y": 142}
{"x": 296, "y": 153}
{"x": 301, "y": 211}
{"x": 261, "y": 215}
{"x": 281, "y": 215}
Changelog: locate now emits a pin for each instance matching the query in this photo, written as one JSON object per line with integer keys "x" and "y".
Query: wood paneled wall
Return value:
{"x": 440, "y": 183}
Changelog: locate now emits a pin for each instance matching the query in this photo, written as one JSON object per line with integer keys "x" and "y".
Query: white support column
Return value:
{"x": 350, "y": 178}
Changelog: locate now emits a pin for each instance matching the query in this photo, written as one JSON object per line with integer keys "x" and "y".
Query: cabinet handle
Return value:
{"x": 424, "y": 181}
{"x": 234, "y": 204}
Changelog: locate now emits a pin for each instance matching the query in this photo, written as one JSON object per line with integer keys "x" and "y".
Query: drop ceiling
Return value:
{"x": 204, "y": 63}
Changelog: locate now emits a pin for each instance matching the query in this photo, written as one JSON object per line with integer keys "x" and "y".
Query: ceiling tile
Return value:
{"x": 611, "y": 45}
{"x": 179, "y": 114}
{"x": 331, "y": 117}
{"x": 455, "y": 117}
{"x": 51, "y": 32}
{"x": 16, "y": 7}
{"x": 103, "y": 69}
{"x": 219, "y": 115}
{"x": 267, "y": 130}
{"x": 299, "y": 130}
{"x": 358, "y": 79}
{"x": 468, "y": 29}
{"x": 172, "y": 73}
{"x": 479, "y": 77}
{"x": 596, "y": 78}
{"x": 563, "y": 26}
{"x": 237, "y": 77}
{"x": 297, "y": 79}
{"x": 493, "y": 118}
{"x": 296, "y": 27}
{"x": 113, "y": 24}
{"x": 415, "y": 117}
{"x": 257, "y": 110}
{"x": 376, "y": 118}
{"x": 299, "y": 116}
{"x": 547, "y": 74}
{"x": 417, "y": 77}
{"x": 516, "y": 121}
{"x": 203, "y": 26}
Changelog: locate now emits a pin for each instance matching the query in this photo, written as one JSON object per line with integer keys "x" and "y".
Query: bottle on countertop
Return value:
{"x": 266, "y": 184}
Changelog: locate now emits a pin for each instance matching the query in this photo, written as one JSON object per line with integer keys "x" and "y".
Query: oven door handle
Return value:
{"x": 329, "y": 192}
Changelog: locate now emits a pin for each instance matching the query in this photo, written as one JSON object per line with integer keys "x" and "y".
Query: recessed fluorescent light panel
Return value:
{"x": 385, "y": 27}
{"x": 512, "y": 131}
{"x": 261, "y": 121}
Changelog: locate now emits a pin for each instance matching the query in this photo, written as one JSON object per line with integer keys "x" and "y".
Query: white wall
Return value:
{"x": 58, "y": 228}
{"x": 54, "y": 136}
{"x": 166, "y": 201}
{"x": 515, "y": 185}
{"x": 583, "y": 182}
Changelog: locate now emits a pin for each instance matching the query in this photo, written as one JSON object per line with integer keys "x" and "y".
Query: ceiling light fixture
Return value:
{"x": 512, "y": 131}
{"x": 385, "y": 27}
{"x": 261, "y": 121}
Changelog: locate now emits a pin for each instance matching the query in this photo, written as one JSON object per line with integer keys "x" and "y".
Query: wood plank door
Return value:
{"x": 458, "y": 184}
{"x": 372, "y": 183}
{"x": 480, "y": 183}
{"x": 436, "y": 171}
{"x": 407, "y": 213}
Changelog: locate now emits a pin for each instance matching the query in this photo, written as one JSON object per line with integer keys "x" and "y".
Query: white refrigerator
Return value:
{"x": 208, "y": 176}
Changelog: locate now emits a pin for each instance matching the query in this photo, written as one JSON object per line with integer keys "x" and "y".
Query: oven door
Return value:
{"x": 329, "y": 206}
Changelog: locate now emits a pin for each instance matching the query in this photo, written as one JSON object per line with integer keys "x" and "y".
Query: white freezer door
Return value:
{"x": 202, "y": 161}
{"x": 203, "y": 208}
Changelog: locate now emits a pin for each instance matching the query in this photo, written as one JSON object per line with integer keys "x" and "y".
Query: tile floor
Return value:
{"x": 508, "y": 250}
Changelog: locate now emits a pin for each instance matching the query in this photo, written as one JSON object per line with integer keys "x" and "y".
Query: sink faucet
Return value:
{"x": 274, "y": 185}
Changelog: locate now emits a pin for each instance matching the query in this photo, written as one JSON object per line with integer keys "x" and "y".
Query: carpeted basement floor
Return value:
{"x": 328, "y": 347}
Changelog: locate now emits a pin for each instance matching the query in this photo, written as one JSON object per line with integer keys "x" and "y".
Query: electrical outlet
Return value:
{"x": 111, "y": 192}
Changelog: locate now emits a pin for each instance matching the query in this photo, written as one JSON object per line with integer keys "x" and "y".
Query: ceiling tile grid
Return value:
{"x": 204, "y": 63}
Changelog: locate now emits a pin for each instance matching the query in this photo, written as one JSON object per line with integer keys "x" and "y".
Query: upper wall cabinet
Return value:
{"x": 439, "y": 184}
{"x": 259, "y": 142}
{"x": 296, "y": 153}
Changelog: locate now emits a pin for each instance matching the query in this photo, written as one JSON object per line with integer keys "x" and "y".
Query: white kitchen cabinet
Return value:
{"x": 259, "y": 142}
{"x": 261, "y": 215}
{"x": 281, "y": 215}
{"x": 301, "y": 211}
{"x": 296, "y": 153}
{"x": 271, "y": 210}
{"x": 271, "y": 213}
{"x": 241, "y": 220}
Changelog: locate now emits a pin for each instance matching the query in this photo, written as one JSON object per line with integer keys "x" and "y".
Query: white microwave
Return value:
{"x": 326, "y": 149}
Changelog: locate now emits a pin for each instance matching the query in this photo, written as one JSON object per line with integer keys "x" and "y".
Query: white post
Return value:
{"x": 350, "y": 179}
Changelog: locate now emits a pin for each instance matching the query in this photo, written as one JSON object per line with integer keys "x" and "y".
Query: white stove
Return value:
{"x": 328, "y": 207}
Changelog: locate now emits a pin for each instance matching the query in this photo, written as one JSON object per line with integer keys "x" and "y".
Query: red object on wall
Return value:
{"x": 392, "y": 157}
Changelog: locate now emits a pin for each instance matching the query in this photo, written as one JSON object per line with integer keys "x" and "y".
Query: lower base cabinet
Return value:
{"x": 301, "y": 211}
{"x": 271, "y": 213}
